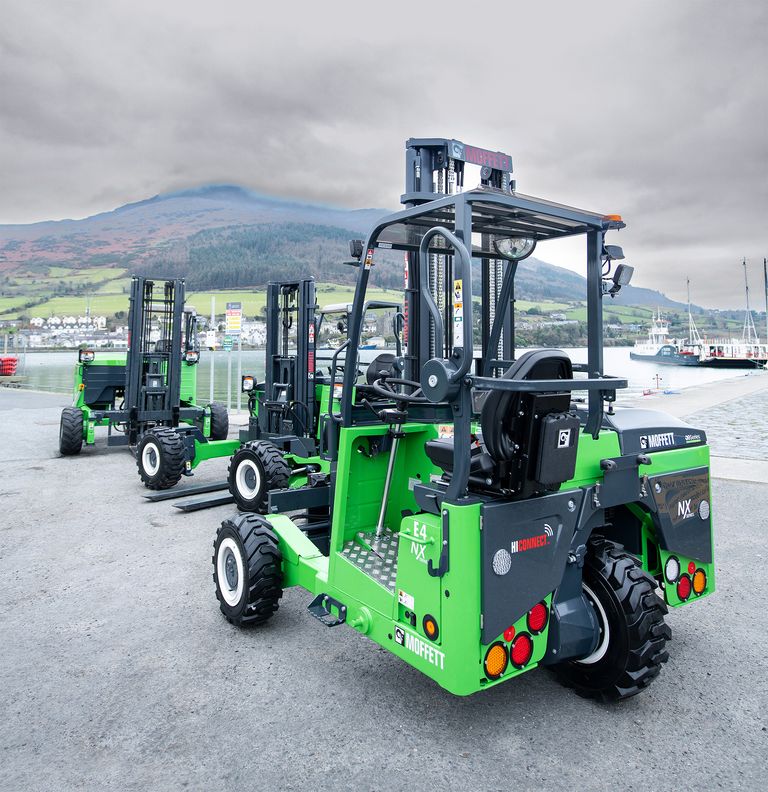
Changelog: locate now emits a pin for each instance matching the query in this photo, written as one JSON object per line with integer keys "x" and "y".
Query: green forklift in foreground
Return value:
{"x": 142, "y": 394}
{"x": 480, "y": 522}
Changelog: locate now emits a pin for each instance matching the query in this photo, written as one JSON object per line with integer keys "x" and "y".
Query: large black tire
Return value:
{"x": 160, "y": 458}
{"x": 632, "y": 646}
{"x": 219, "y": 422}
{"x": 70, "y": 431}
{"x": 254, "y": 470}
{"x": 247, "y": 569}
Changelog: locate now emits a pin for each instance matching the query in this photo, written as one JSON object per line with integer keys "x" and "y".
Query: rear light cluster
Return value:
{"x": 520, "y": 649}
{"x": 685, "y": 583}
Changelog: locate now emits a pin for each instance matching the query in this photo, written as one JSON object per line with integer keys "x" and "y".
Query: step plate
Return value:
{"x": 382, "y": 569}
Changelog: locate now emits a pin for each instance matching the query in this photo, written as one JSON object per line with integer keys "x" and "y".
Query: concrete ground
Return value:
{"x": 118, "y": 672}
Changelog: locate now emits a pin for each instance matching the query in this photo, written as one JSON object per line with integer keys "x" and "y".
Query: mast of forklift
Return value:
{"x": 498, "y": 209}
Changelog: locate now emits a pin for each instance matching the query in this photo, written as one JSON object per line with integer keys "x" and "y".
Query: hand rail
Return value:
{"x": 552, "y": 385}
{"x": 464, "y": 260}
{"x": 334, "y": 361}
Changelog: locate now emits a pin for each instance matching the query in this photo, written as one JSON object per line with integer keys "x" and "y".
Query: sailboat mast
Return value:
{"x": 765, "y": 282}
{"x": 750, "y": 331}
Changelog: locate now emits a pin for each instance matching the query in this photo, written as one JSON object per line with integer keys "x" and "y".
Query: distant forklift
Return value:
{"x": 284, "y": 445}
{"x": 150, "y": 387}
{"x": 287, "y": 436}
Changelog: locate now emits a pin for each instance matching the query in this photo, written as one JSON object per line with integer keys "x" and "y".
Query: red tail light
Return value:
{"x": 538, "y": 616}
{"x": 521, "y": 650}
{"x": 684, "y": 587}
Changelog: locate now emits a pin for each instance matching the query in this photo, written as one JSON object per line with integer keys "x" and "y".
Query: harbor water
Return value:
{"x": 53, "y": 372}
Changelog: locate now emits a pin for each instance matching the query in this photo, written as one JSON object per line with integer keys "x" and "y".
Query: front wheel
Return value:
{"x": 160, "y": 458}
{"x": 247, "y": 569}
{"x": 219, "y": 421}
{"x": 631, "y": 647}
{"x": 71, "y": 431}
{"x": 254, "y": 470}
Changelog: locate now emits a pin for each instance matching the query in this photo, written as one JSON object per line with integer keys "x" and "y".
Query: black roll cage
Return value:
{"x": 448, "y": 226}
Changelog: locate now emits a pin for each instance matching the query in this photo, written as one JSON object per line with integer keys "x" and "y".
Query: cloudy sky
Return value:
{"x": 657, "y": 110}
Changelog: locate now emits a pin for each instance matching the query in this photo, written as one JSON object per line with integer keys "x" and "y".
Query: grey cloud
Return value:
{"x": 653, "y": 109}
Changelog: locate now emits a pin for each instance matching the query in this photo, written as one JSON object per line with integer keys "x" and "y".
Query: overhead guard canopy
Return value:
{"x": 494, "y": 213}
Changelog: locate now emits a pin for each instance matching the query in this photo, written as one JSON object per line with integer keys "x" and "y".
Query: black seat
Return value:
{"x": 383, "y": 363}
{"x": 501, "y": 408}
{"x": 511, "y": 453}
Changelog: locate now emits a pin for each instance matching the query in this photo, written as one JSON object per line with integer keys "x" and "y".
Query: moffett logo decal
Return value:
{"x": 421, "y": 648}
{"x": 661, "y": 440}
{"x": 564, "y": 438}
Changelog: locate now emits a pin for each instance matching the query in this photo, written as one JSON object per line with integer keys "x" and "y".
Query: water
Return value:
{"x": 53, "y": 371}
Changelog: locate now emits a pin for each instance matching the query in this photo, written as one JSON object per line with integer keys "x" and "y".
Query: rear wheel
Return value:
{"x": 160, "y": 458}
{"x": 247, "y": 569}
{"x": 70, "y": 431}
{"x": 254, "y": 470}
{"x": 219, "y": 421}
{"x": 632, "y": 644}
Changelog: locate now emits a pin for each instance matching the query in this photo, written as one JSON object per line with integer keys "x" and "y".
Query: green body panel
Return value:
{"x": 655, "y": 557}
{"x": 117, "y": 359}
{"x": 455, "y": 658}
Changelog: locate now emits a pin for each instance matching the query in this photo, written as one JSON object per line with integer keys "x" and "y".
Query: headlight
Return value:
{"x": 247, "y": 384}
{"x": 514, "y": 248}
{"x": 86, "y": 355}
{"x": 192, "y": 356}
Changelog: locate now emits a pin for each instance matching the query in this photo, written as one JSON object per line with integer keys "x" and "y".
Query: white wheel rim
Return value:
{"x": 248, "y": 479}
{"x": 230, "y": 560}
{"x": 150, "y": 458}
{"x": 605, "y": 630}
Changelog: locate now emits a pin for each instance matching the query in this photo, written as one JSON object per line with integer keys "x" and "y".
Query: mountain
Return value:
{"x": 225, "y": 236}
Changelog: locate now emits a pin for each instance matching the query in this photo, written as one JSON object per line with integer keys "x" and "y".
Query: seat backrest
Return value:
{"x": 501, "y": 408}
{"x": 383, "y": 363}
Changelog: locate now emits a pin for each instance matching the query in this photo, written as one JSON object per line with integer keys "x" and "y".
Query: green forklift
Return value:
{"x": 480, "y": 520}
{"x": 147, "y": 389}
{"x": 282, "y": 445}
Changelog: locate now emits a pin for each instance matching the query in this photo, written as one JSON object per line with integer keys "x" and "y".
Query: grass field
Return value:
{"x": 103, "y": 285}
{"x": 253, "y": 301}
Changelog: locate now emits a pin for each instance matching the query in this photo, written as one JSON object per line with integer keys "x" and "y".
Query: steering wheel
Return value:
{"x": 386, "y": 387}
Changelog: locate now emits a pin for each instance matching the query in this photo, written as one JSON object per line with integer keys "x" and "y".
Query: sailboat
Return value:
{"x": 747, "y": 352}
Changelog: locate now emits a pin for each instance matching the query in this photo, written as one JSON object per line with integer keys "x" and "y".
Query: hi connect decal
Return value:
{"x": 421, "y": 648}
{"x": 502, "y": 558}
{"x": 661, "y": 440}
